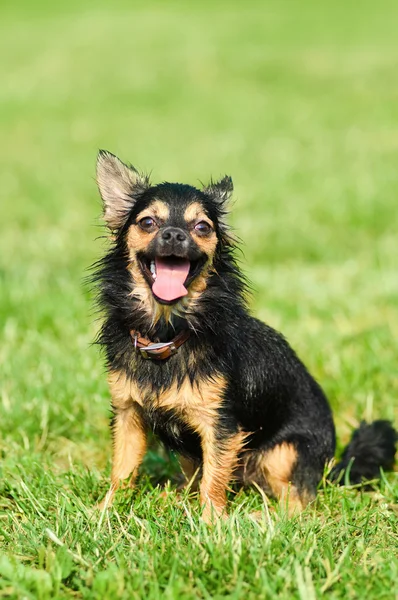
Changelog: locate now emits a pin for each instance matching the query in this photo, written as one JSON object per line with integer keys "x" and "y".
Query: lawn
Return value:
{"x": 299, "y": 103}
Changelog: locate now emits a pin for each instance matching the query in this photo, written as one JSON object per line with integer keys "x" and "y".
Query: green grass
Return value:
{"x": 298, "y": 101}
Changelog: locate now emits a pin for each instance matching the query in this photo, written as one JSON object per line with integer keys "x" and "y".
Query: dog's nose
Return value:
{"x": 174, "y": 234}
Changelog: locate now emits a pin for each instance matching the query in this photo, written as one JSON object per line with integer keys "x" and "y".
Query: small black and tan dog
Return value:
{"x": 188, "y": 362}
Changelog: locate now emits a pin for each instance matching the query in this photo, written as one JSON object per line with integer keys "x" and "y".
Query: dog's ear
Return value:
{"x": 119, "y": 186}
{"x": 220, "y": 191}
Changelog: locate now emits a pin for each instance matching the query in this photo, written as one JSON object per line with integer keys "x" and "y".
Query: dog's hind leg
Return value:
{"x": 287, "y": 472}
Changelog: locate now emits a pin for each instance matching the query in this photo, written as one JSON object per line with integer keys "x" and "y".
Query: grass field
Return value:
{"x": 299, "y": 103}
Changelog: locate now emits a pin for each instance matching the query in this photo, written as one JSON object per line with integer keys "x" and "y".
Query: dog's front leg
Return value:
{"x": 129, "y": 447}
{"x": 220, "y": 459}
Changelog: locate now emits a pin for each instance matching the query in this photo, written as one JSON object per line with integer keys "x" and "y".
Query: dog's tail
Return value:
{"x": 372, "y": 447}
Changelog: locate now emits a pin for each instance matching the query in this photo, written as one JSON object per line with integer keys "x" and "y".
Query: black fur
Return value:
{"x": 371, "y": 447}
{"x": 269, "y": 393}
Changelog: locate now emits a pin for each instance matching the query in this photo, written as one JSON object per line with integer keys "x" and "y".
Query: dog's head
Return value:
{"x": 172, "y": 231}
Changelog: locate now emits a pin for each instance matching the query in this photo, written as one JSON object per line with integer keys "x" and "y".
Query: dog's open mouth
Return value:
{"x": 169, "y": 276}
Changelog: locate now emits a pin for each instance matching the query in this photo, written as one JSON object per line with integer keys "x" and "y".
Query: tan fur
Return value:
{"x": 128, "y": 433}
{"x": 138, "y": 240}
{"x": 197, "y": 405}
{"x": 141, "y": 291}
{"x": 195, "y": 213}
{"x": 124, "y": 391}
{"x": 278, "y": 466}
{"x": 279, "y": 462}
{"x": 158, "y": 210}
{"x": 219, "y": 464}
{"x": 206, "y": 243}
{"x": 129, "y": 445}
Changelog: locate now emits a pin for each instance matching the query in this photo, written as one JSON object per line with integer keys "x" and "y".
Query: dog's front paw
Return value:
{"x": 107, "y": 501}
{"x": 211, "y": 514}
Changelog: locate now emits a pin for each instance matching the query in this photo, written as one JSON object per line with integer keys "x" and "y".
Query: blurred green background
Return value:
{"x": 298, "y": 101}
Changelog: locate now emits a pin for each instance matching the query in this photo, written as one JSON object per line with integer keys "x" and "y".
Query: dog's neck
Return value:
{"x": 165, "y": 332}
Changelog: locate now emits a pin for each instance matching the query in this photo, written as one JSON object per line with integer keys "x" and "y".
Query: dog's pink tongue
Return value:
{"x": 170, "y": 277}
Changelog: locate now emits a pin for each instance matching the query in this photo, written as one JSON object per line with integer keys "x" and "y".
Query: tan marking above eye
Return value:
{"x": 157, "y": 210}
{"x": 194, "y": 213}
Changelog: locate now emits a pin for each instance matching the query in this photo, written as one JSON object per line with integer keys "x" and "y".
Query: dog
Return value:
{"x": 187, "y": 361}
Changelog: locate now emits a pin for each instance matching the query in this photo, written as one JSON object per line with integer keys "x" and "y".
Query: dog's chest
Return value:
{"x": 194, "y": 405}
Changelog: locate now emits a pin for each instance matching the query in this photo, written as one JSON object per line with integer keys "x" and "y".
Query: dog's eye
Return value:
{"x": 203, "y": 228}
{"x": 147, "y": 224}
